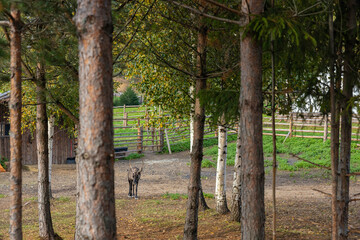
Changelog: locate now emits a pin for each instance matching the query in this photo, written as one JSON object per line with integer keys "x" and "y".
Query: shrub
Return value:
{"x": 127, "y": 98}
{"x": 2, "y": 162}
{"x": 207, "y": 164}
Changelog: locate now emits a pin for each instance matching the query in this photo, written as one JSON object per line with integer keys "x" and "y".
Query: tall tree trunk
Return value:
{"x": 220, "y": 186}
{"x": 334, "y": 130}
{"x": 202, "y": 202}
{"x": 15, "y": 231}
{"x": 50, "y": 146}
{"x": 46, "y": 230}
{"x": 252, "y": 166}
{"x": 273, "y": 127}
{"x": 191, "y": 221}
{"x": 236, "y": 191}
{"x": 95, "y": 215}
{"x": 349, "y": 10}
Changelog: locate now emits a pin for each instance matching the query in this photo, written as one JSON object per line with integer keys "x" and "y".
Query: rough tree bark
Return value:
{"x": 349, "y": 9}
{"x": 46, "y": 230}
{"x": 95, "y": 215}
{"x": 220, "y": 186}
{"x": 202, "y": 202}
{"x": 191, "y": 221}
{"x": 236, "y": 188}
{"x": 252, "y": 166}
{"x": 15, "y": 231}
{"x": 334, "y": 109}
{"x": 273, "y": 127}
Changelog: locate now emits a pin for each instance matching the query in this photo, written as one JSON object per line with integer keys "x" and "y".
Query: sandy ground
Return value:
{"x": 170, "y": 173}
{"x": 165, "y": 173}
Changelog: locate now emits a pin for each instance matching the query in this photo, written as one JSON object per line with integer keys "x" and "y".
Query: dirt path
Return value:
{"x": 298, "y": 202}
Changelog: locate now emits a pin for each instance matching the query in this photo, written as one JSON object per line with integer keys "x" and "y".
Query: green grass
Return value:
{"x": 63, "y": 199}
{"x": 209, "y": 195}
{"x": 134, "y": 156}
{"x": 314, "y": 150}
{"x": 2, "y": 195}
{"x": 206, "y": 163}
{"x": 174, "y": 196}
{"x": 177, "y": 196}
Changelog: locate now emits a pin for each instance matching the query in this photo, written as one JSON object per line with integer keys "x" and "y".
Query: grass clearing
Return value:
{"x": 314, "y": 150}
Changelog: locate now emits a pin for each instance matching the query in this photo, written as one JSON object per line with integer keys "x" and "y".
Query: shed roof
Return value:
{"x": 4, "y": 97}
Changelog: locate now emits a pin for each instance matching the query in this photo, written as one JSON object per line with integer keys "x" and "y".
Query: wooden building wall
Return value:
{"x": 4, "y": 111}
{"x": 63, "y": 147}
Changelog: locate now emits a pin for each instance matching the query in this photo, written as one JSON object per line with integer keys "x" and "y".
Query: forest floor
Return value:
{"x": 159, "y": 213}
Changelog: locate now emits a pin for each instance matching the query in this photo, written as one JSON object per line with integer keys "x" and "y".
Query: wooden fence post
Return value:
{"x": 140, "y": 138}
{"x": 125, "y": 121}
{"x": 124, "y": 109}
{"x": 153, "y": 137}
{"x": 161, "y": 135}
{"x": 326, "y": 128}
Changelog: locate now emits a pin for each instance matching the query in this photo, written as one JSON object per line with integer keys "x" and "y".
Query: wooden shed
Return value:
{"x": 63, "y": 145}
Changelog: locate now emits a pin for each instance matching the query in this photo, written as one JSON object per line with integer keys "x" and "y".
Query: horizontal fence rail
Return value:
{"x": 144, "y": 138}
{"x": 134, "y": 131}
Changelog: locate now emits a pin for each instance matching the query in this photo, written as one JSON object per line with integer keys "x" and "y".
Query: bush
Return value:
{"x": 207, "y": 164}
{"x": 2, "y": 162}
{"x": 127, "y": 98}
{"x": 134, "y": 156}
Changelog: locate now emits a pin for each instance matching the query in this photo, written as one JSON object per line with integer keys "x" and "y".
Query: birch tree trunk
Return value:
{"x": 236, "y": 188}
{"x": 220, "y": 187}
{"x": 51, "y": 145}
{"x": 95, "y": 211}
{"x": 15, "y": 231}
{"x": 191, "y": 91}
{"x": 191, "y": 221}
{"x": 46, "y": 230}
{"x": 252, "y": 166}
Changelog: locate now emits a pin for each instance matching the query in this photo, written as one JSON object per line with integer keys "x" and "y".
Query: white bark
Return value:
{"x": 236, "y": 198}
{"x": 220, "y": 190}
{"x": 191, "y": 90}
{"x": 50, "y": 146}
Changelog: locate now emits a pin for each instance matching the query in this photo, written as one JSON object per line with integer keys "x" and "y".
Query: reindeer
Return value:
{"x": 134, "y": 175}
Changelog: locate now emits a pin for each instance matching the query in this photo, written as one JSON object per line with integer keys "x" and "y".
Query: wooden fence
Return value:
{"x": 313, "y": 125}
{"x": 132, "y": 130}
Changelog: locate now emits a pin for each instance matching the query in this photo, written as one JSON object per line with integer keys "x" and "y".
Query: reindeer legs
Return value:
{"x": 130, "y": 188}
{"x": 136, "y": 197}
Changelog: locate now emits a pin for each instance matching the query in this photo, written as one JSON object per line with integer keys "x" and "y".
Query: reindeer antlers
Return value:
{"x": 142, "y": 166}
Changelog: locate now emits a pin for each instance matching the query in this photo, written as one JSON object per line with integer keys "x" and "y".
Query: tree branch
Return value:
{"x": 5, "y": 23}
{"x": 64, "y": 109}
{"x": 318, "y": 165}
{"x": 240, "y": 23}
{"x": 25, "y": 67}
{"x": 224, "y": 7}
{"x": 136, "y": 30}
{"x": 325, "y": 193}
{"x": 155, "y": 52}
